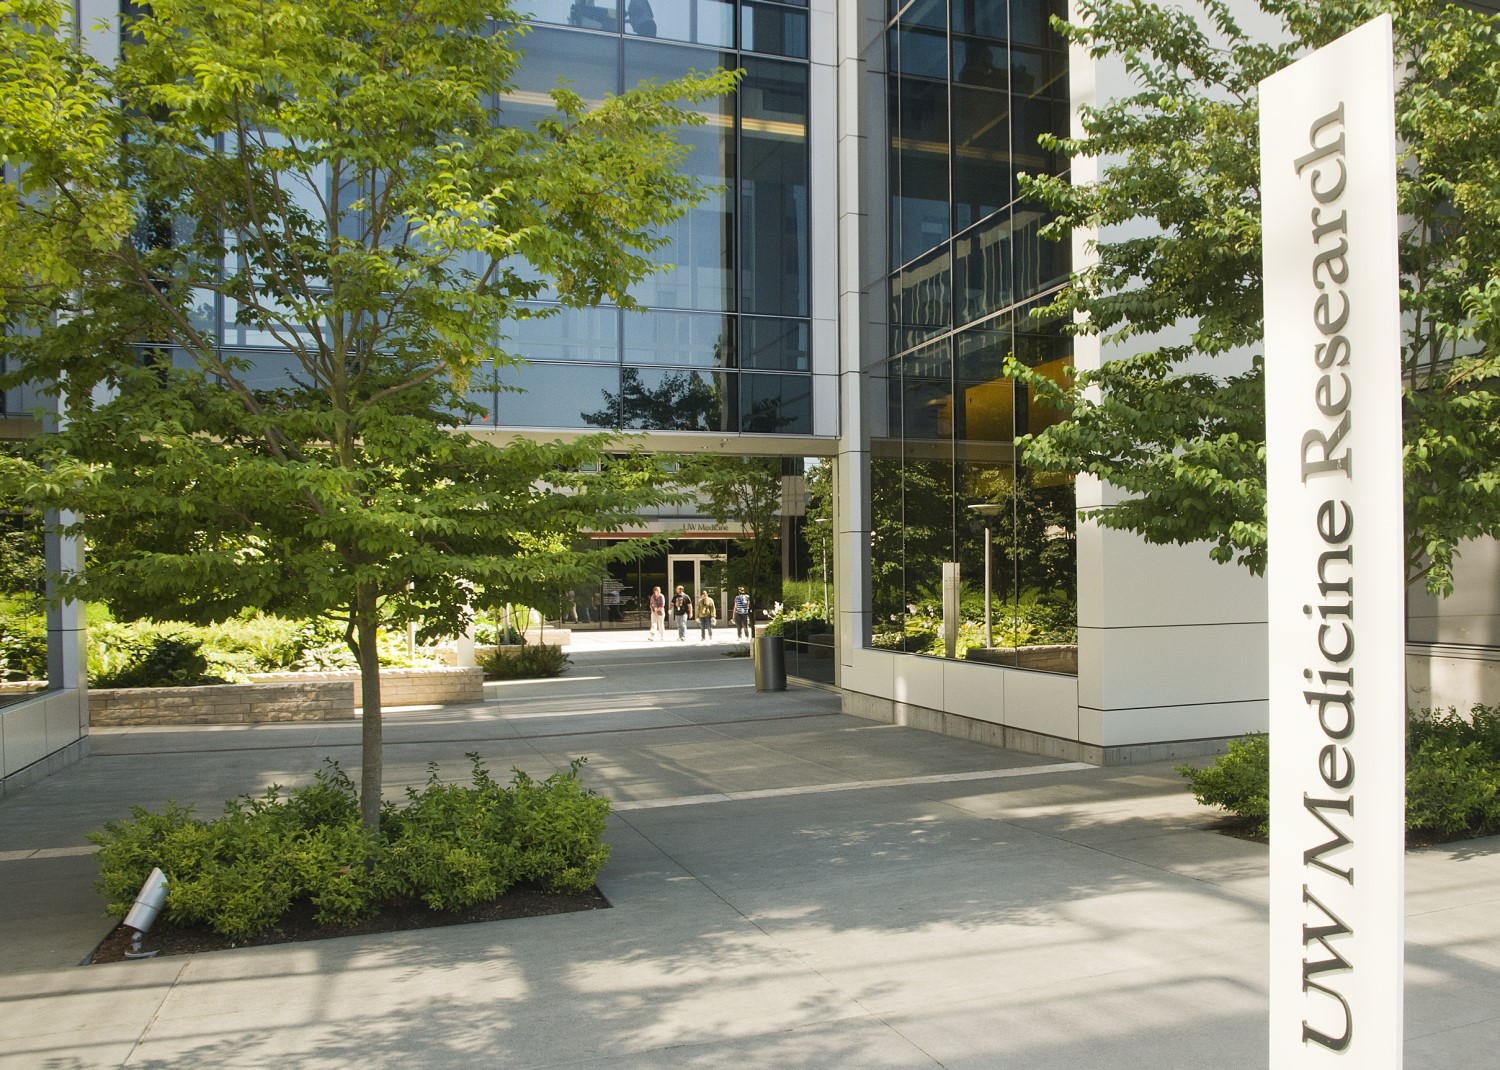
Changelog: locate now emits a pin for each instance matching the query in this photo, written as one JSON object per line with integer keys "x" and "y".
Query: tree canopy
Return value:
{"x": 1180, "y": 426}
{"x": 337, "y": 184}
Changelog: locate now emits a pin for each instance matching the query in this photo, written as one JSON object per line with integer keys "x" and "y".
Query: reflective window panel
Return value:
{"x": 773, "y": 188}
{"x": 698, "y": 259}
{"x": 589, "y": 334}
{"x": 772, "y": 28}
{"x": 561, "y": 395}
{"x": 663, "y": 399}
{"x": 776, "y": 404}
{"x": 774, "y": 344}
{"x": 691, "y": 338}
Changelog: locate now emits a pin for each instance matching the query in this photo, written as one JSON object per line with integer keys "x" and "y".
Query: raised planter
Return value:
{"x": 282, "y": 696}
{"x": 309, "y": 700}
{"x": 1051, "y": 657}
{"x": 434, "y": 686}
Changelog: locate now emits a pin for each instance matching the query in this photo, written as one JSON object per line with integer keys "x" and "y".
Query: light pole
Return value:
{"x": 987, "y": 512}
{"x": 823, "y": 546}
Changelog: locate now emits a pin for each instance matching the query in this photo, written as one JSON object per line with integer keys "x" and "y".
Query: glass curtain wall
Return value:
{"x": 722, "y": 342}
{"x": 971, "y": 85}
{"x": 24, "y": 668}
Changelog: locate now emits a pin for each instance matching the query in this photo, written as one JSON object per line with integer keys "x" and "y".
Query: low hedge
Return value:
{"x": 449, "y": 846}
{"x": 1452, "y": 776}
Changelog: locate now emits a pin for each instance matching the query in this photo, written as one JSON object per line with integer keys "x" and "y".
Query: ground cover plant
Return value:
{"x": 447, "y": 847}
{"x": 1452, "y": 777}
{"x": 234, "y": 648}
{"x": 528, "y": 661}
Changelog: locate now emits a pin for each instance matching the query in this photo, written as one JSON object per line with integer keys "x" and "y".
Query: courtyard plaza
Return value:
{"x": 792, "y": 887}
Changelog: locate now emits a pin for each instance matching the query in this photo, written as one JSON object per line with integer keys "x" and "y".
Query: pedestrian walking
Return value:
{"x": 658, "y": 606}
{"x": 682, "y": 612}
{"x": 706, "y": 611}
{"x": 743, "y": 629}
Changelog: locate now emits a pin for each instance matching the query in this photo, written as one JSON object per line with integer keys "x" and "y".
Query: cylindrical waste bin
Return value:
{"x": 770, "y": 662}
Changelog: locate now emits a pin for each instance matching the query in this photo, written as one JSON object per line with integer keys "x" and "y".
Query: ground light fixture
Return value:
{"x": 148, "y": 903}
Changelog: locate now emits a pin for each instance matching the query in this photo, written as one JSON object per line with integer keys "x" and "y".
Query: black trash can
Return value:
{"x": 770, "y": 662}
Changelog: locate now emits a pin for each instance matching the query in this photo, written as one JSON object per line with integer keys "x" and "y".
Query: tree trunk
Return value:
{"x": 372, "y": 755}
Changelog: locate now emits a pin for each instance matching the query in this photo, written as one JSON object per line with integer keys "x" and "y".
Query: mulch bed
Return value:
{"x": 298, "y": 925}
{"x": 1237, "y": 827}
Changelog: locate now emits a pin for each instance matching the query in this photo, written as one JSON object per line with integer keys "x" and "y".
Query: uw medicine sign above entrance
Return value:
{"x": 1333, "y": 458}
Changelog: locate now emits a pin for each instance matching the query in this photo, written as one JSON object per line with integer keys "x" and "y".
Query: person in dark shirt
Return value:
{"x": 682, "y": 611}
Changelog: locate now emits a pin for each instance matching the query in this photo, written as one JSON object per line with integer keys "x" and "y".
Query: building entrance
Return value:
{"x": 693, "y": 571}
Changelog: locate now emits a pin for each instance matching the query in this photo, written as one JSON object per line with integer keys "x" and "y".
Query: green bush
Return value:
{"x": 255, "y": 643}
{"x": 1452, "y": 775}
{"x": 528, "y": 662}
{"x": 23, "y": 647}
{"x": 558, "y": 830}
{"x": 1453, "y": 772}
{"x": 449, "y": 846}
{"x": 164, "y": 661}
{"x": 1239, "y": 781}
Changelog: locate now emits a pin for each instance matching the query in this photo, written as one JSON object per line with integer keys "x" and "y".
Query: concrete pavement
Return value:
{"x": 792, "y": 888}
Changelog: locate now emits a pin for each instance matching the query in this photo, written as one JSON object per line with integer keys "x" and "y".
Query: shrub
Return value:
{"x": 450, "y": 846}
{"x": 165, "y": 661}
{"x": 1239, "y": 781}
{"x": 240, "y": 873}
{"x": 1452, "y": 775}
{"x": 1453, "y": 772}
{"x": 558, "y": 830}
{"x": 524, "y": 662}
{"x": 255, "y": 643}
{"x": 23, "y": 648}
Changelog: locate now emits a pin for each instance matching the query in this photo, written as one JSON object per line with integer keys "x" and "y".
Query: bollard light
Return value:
{"x": 148, "y": 903}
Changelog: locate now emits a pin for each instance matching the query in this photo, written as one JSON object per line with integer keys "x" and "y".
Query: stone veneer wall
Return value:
{"x": 313, "y": 700}
{"x": 434, "y": 686}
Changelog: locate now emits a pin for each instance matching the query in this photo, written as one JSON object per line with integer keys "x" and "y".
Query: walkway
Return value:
{"x": 793, "y": 889}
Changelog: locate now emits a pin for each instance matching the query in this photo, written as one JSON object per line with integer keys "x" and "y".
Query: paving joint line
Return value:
{"x": 852, "y": 785}
{"x": 466, "y": 739}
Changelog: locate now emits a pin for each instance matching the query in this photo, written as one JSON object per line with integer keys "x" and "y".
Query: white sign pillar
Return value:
{"x": 1336, "y": 565}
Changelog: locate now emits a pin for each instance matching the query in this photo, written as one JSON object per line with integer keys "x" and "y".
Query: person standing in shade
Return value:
{"x": 682, "y": 612}
{"x": 707, "y": 611}
{"x": 743, "y": 629}
{"x": 658, "y": 605}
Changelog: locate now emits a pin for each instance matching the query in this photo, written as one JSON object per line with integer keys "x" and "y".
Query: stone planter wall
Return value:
{"x": 434, "y": 686}
{"x": 313, "y": 700}
{"x": 1052, "y": 657}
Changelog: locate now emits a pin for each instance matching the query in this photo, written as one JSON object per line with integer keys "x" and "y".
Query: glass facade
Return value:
{"x": 970, "y": 87}
{"x": 721, "y": 340}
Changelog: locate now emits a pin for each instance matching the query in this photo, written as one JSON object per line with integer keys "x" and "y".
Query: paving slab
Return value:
{"x": 791, "y": 887}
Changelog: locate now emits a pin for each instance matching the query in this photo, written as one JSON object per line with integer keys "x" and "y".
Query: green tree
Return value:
{"x": 58, "y": 146}
{"x": 331, "y": 173}
{"x": 1185, "y": 441}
